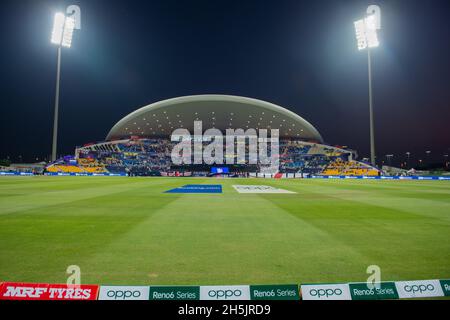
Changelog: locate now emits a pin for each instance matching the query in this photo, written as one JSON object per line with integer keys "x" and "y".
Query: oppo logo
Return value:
{"x": 218, "y": 294}
{"x": 325, "y": 292}
{"x": 123, "y": 294}
{"x": 419, "y": 288}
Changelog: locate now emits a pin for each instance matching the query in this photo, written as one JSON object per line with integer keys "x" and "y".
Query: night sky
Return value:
{"x": 301, "y": 55}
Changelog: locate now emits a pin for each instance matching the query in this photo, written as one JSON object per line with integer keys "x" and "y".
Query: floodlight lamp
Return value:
{"x": 69, "y": 26}
{"x": 58, "y": 28}
{"x": 366, "y": 32}
{"x": 361, "y": 38}
{"x": 371, "y": 31}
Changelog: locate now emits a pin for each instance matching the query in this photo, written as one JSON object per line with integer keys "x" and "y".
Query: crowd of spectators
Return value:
{"x": 143, "y": 157}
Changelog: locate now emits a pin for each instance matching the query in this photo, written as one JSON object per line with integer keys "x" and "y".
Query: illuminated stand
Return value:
{"x": 367, "y": 38}
{"x": 63, "y": 28}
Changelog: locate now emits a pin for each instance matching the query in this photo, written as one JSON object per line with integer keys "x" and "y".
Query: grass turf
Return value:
{"x": 123, "y": 230}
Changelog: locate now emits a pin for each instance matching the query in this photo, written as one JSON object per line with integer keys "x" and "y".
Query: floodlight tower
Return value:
{"x": 63, "y": 28}
{"x": 367, "y": 38}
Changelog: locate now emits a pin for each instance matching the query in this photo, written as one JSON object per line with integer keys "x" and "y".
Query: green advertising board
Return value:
{"x": 445, "y": 284}
{"x": 383, "y": 290}
{"x": 174, "y": 293}
{"x": 274, "y": 292}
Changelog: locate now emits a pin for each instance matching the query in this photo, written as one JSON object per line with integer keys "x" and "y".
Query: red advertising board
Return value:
{"x": 45, "y": 291}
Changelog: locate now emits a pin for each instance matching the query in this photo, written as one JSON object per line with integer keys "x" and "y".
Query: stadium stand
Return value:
{"x": 147, "y": 157}
{"x": 340, "y": 167}
{"x": 139, "y": 144}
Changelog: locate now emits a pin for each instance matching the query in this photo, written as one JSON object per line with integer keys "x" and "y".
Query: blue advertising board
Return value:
{"x": 197, "y": 188}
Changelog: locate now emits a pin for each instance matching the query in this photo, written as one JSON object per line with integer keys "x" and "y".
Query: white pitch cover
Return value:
{"x": 326, "y": 292}
{"x": 419, "y": 289}
{"x": 225, "y": 293}
{"x": 124, "y": 293}
{"x": 259, "y": 189}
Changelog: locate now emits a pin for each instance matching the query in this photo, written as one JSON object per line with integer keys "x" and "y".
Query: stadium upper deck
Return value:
{"x": 222, "y": 112}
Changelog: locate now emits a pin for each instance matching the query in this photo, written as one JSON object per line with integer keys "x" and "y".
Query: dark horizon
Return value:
{"x": 301, "y": 55}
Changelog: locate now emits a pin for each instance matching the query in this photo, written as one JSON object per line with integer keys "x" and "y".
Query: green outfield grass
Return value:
{"x": 122, "y": 230}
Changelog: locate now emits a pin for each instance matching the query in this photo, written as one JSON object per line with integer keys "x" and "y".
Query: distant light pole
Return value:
{"x": 407, "y": 158}
{"x": 367, "y": 38}
{"x": 63, "y": 27}
{"x": 428, "y": 157}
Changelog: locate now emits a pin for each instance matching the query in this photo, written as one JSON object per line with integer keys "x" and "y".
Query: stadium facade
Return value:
{"x": 140, "y": 143}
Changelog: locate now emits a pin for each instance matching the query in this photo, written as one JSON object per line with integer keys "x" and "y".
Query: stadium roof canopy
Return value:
{"x": 215, "y": 111}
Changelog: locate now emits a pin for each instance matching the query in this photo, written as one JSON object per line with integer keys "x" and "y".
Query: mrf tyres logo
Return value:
{"x": 225, "y": 293}
{"x": 326, "y": 292}
{"x": 33, "y": 291}
{"x": 190, "y": 149}
{"x": 419, "y": 289}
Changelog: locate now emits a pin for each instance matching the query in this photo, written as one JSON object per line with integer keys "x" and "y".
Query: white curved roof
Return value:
{"x": 216, "y": 111}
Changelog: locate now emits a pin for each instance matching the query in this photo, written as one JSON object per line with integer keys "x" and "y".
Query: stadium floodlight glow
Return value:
{"x": 361, "y": 39}
{"x": 367, "y": 38}
{"x": 366, "y": 33}
{"x": 371, "y": 31}
{"x": 366, "y": 29}
{"x": 63, "y": 28}
{"x": 62, "y": 34}
{"x": 58, "y": 28}
{"x": 69, "y": 26}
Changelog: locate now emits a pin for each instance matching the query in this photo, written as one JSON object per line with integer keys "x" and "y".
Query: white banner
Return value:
{"x": 258, "y": 189}
{"x": 124, "y": 293}
{"x": 225, "y": 293}
{"x": 419, "y": 289}
{"x": 326, "y": 292}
